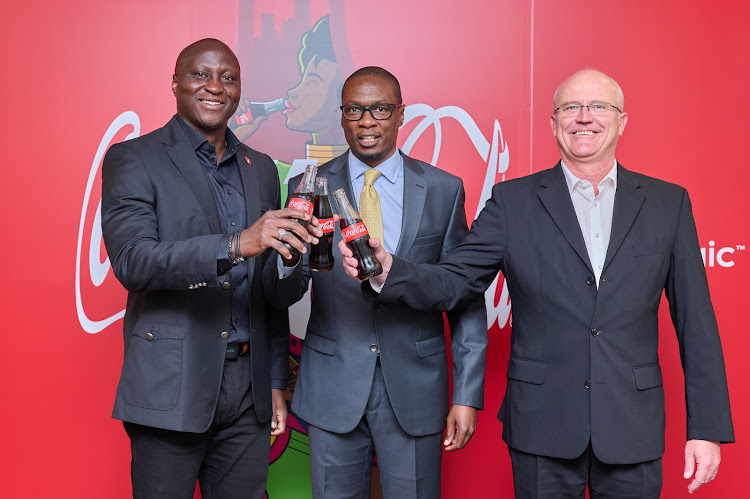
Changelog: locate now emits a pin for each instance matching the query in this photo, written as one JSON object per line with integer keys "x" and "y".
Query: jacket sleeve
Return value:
{"x": 706, "y": 394}
{"x": 461, "y": 275}
{"x": 130, "y": 226}
{"x": 468, "y": 324}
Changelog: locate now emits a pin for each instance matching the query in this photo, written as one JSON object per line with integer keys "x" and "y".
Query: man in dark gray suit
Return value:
{"x": 203, "y": 348}
{"x": 374, "y": 378}
{"x": 587, "y": 249}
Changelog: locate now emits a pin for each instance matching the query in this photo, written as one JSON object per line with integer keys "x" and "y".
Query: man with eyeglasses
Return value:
{"x": 587, "y": 249}
{"x": 373, "y": 379}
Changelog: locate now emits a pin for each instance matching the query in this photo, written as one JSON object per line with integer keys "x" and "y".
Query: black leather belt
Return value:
{"x": 235, "y": 350}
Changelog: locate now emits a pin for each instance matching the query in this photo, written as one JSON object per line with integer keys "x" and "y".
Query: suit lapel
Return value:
{"x": 628, "y": 201}
{"x": 415, "y": 192}
{"x": 554, "y": 195}
{"x": 178, "y": 148}
{"x": 338, "y": 178}
{"x": 250, "y": 184}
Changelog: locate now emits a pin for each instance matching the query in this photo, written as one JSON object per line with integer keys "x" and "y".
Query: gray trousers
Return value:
{"x": 341, "y": 463}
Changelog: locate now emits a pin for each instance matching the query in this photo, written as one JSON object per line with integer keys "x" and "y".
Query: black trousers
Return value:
{"x": 540, "y": 477}
{"x": 230, "y": 460}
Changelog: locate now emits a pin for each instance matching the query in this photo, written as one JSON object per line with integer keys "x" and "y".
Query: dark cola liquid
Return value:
{"x": 367, "y": 265}
{"x": 307, "y": 196}
{"x": 321, "y": 254}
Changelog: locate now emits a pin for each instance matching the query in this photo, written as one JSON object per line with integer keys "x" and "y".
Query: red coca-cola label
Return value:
{"x": 326, "y": 225}
{"x": 355, "y": 231}
{"x": 301, "y": 205}
{"x": 243, "y": 119}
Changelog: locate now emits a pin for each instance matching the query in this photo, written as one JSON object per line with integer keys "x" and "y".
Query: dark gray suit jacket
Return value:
{"x": 584, "y": 364}
{"x": 337, "y": 365}
{"x": 162, "y": 231}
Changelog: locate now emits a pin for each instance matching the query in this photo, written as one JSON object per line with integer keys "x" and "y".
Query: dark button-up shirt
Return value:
{"x": 225, "y": 182}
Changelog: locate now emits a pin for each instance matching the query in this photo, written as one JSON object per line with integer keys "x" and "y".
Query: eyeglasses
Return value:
{"x": 595, "y": 108}
{"x": 377, "y": 111}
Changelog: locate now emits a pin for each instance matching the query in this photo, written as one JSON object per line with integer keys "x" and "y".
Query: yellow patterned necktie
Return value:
{"x": 369, "y": 206}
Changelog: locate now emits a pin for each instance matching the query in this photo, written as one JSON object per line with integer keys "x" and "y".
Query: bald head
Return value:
{"x": 194, "y": 49}
{"x": 589, "y": 76}
{"x": 206, "y": 84}
{"x": 587, "y": 120}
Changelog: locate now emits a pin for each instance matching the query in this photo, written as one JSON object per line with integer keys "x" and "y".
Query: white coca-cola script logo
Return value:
{"x": 98, "y": 267}
{"x": 354, "y": 231}
{"x": 301, "y": 204}
{"x": 495, "y": 154}
{"x": 326, "y": 225}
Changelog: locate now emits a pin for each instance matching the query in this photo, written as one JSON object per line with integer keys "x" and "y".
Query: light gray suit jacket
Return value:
{"x": 338, "y": 360}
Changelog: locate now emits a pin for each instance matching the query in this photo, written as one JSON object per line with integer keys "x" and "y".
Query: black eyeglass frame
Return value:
{"x": 364, "y": 109}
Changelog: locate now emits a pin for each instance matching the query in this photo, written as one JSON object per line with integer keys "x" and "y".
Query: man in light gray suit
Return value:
{"x": 587, "y": 249}
{"x": 373, "y": 379}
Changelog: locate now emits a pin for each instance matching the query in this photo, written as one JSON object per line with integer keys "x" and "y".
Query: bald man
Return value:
{"x": 189, "y": 217}
{"x": 587, "y": 249}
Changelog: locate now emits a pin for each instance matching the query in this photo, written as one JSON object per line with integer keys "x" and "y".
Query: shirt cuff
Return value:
{"x": 283, "y": 270}
{"x": 376, "y": 287}
{"x": 223, "y": 262}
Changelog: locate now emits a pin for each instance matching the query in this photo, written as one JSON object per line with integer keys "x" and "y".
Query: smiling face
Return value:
{"x": 206, "y": 85}
{"x": 587, "y": 142}
{"x": 371, "y": 141}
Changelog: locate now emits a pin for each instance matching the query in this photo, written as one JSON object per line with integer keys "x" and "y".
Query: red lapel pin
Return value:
{"x": 247, "y": 160}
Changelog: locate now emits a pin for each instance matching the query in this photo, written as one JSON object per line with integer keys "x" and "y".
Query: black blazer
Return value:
{"x": 338, "y": 364}
{"x": 162, "y": 232}
{"x": 584, "y": 364}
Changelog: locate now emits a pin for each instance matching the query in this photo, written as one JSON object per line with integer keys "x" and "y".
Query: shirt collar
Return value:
{"x": 197, "y": 140}
{"x": 571, "y": 180}
{"x": 389, "y": 168}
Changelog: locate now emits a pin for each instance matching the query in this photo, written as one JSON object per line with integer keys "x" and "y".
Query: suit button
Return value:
{"x": 373, "y": 348}
{"x": 224, "y": 335}
{"x": 379, "y": 305}
{"x": 226, "y": 285}
{"x": 594, "y": 332}
{"x": 590, "y": 281}
{"x": 587, "y": 384}
{"x": 149, "y": 336}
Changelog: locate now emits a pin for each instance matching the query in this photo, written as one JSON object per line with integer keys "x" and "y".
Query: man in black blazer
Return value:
{"x": 587, "y": 249}
{"x": 203, "y": 347}
{"x": 374, "y": 378}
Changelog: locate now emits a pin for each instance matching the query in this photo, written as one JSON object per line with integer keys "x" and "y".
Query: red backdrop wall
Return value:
{"x": 482, "y": 74}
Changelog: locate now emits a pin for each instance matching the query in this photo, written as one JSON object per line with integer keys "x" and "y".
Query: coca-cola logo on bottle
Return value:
{"x": 326, "y": 225}
{"x": 301, "y": 204}
{"x": 354, "y": 231}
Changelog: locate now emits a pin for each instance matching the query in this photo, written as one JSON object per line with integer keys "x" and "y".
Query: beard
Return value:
{"x": 371, "y": 157}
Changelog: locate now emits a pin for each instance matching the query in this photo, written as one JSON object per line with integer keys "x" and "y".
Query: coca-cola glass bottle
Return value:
{"x": 356, "y": 237}
{"x": 302, "y": 199}
{"x": 255, "y": 109}
{"x": 321, "y": 254}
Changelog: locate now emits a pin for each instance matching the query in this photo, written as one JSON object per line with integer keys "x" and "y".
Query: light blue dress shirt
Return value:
{"x": 390, "y": 188}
